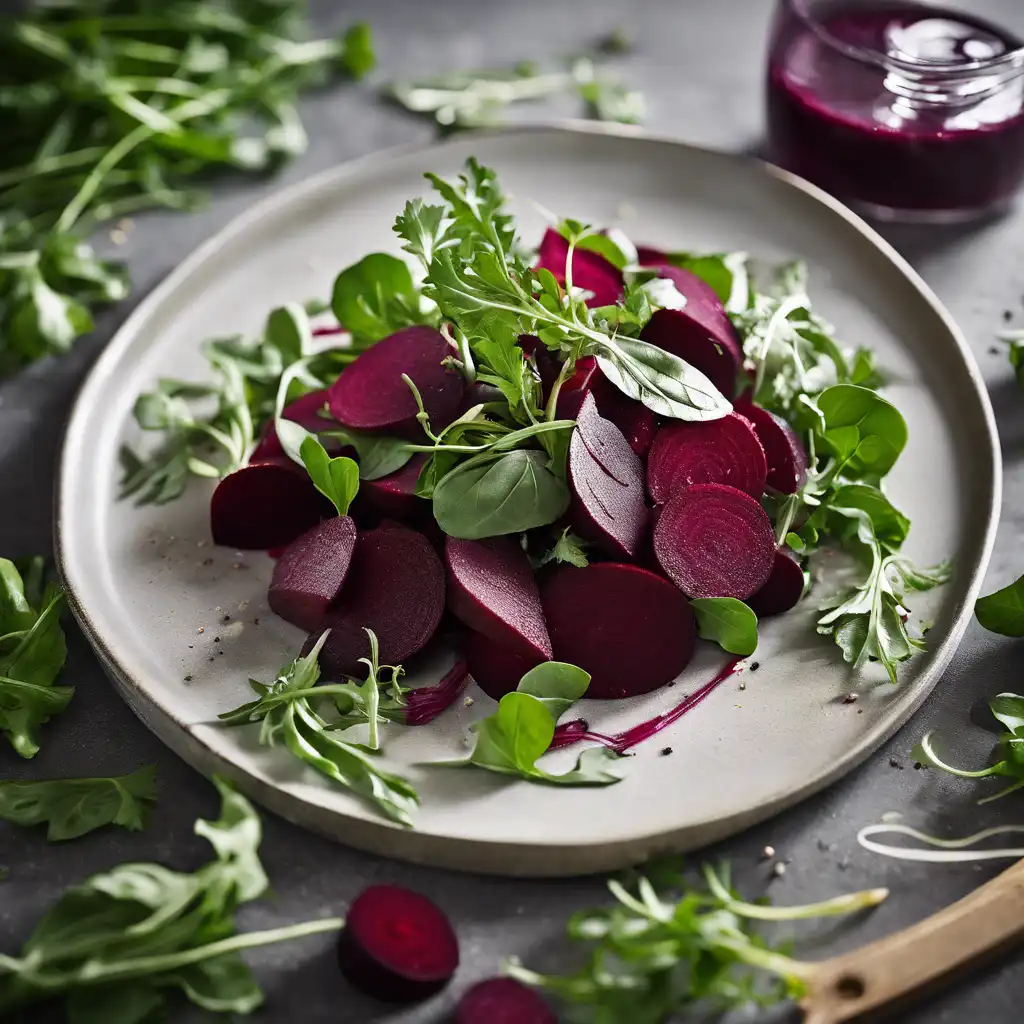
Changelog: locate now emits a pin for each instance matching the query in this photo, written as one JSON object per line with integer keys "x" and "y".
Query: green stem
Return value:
{"x": 51, "y": 165}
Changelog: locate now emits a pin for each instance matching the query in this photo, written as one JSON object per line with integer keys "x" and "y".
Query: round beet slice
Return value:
{"x": 492, "y": 590}
{"x": 305, "y": 411}
{"x": 397, "y": 945}
{"x": 371, "y": 395}
{"x": 714, "y": 541}
{"x": 265, "y": 505}
{"x": 311, "y": 571}
{"x": 724, "y": 451}
{"x": 590, "y": 270}
{"x": 628, "y": 627}
{"x": 606, "y": 478}
{"x": 503, "y": 1001}
{"x": 783, "y": 588}
{"x": 395, "y": 586}
{"x": 495, "y": 668}
{"x": 783, "y": 449}
{"x": 395, "y": 495}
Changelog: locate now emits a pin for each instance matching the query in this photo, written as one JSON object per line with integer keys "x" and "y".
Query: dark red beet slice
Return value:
{"x": 310, "y": 573}
{"x": 638, "y": 424}
{"x": 306, "y": 412}
{"x": 395, "y": 494}
{"x": 724, "y": 451}
{"x": 397, "y": 945}
{"x": 497, "y": 669}
{"x": 371, "y": 395}
{"x": 714, "y": 541}
{"x": 606, "y": 478}
{"x": 492, "y": 590}
{"x": 628, "y": 627}
{"x": 649, "y": 256}
{"x": 503, "y": 1001}
{"x": 586, "y": 379}
{"x": 395, "y": 586}
{"x": 702, "y": 333}
{"x": 783, "y": 589}
{"x": 590, "y": 270}
{"x": 265, "y": 505}
{"x": 787, "y": 460}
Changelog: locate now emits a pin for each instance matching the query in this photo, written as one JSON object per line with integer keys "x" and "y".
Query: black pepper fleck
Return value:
{"x": 188, "y": 679}
{"x": 1007, "y": 315}
{"x": 220, "y": 652}
{"x": 993, "y": 351}
{"x": 893, "y": 763}
{"x": 256, "y": 622}
{"x": 665, "y": 751}
{"x": 207, "y": 561}
{"x": 211, "y": 658}
{"x": 754, "y": 666}
{"x": 226, "y": 618}
{"x": 918, "y": 766}
{"x": 850, "y": 698}
{"x": 216, "y": 639}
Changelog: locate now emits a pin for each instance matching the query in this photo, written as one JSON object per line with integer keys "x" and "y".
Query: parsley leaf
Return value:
{"x": 569, "y": 549}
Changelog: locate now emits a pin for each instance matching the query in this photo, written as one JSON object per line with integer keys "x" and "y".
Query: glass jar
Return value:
{"x": 907, "y": 110}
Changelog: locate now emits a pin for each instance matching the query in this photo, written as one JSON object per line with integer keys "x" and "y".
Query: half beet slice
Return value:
{"x": 723, "y": 451}
{"x": 492, "y": 590}
{"x": 309, "y": 575}
{"x": 371, "y": 395}
{"x": 783, "y": 588}
{"x": 395, "y": 495}
{"x": 397, "y": 945}
{"x": 628, "y": 627}
{"x": 503, "y": 1001}
{"x": 590, "y": 270}
{"x": 783, "y": 449}
{"x": 495, "y": 668}
{"x": 265, "y": 505}
{"x": 306, "y": 411}
{"x": 395, "y": 586}
{"x": 714, "y": 541}
{"x": 606, "y": 478}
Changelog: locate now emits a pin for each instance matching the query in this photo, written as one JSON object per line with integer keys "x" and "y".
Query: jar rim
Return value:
{"x": 1012, "y": 59}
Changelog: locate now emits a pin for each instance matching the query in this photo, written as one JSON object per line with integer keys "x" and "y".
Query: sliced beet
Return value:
{"x": 783, "y": 588}
{"x": 306, "y": 411}
{"x": 701, "y": 333}
{"x": 606, "y": 478}
{"x": 397, "y": 945}
{"x": 497, "y": 669}
{"x": 586, "y": 379}
{"x": 628, "y": 627}
{"x": 590, "y": 270}
{"x": 638, "y": 424}
{"x": 649, "y": 256}
{"x": 371, "y": 395}
{"x": 787, "y": 460}
{"x": 395, "y": 586}
{"x": 265, "y": 505}
{"x": 309, "y": 575}
{"x": 395, "y": 495}
{"x": 723, "y": 451}
{"x": 714, "y": 541}
{"x": 503, "y": 1001}
{"x": 492, "y": 590}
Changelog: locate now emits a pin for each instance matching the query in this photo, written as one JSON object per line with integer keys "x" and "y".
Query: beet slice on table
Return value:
{"x": 492, "y": 590}
{"x": 630, "y": 628}
{"x": 606, "y": 478}
{"x": 783, "y": 449}
{"x": 310, "y": 573}
{"x": 397, "y": 945}
{"x": 714, "y": 541}
{"x": 783, "y": 588}
{"x": 723, "y": 451}
{"x": 265, "y": 505}
{"x": 503, "y": 1001}
{"x": 495, "y": 668}
{"x": 395, "y": 586}
{"x": 590, "y": 270}
{"x": 371, "y": 395}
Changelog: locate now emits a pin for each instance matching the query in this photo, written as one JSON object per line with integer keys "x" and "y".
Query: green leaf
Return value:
{"x": 73, "y": 807}
{"x": 289, "y": 332}
{"x": 135, "y": 1003}
{"x": 1008, "y": 709}
{"x": 569, "y": 549}
{"x": 358, "y": 57}
{"x": 337, "y": 479}
{"x": 375, "y": 297}
{"x": 864, "y": 430}
{"x": 25, "y": 708}
{"x": 728, "y": 622}
{"x": 378, "y": 455}
{"x": 556, "y": 684}
{"x": 1003, "y": 611}
{"x": 44, "y": 321}
{"x": 16, "y": 614}
{"x": 494, "y": 495}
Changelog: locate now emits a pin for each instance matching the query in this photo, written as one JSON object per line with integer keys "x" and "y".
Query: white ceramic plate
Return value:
{"x": 152, "y": 593}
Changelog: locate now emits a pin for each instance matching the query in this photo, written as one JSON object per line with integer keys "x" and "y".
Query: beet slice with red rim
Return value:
{"x": 503, "y": 1001}
{"x": 722, "y": 451}
{"x": 606, "y": 478}
{"x": 265, "y": 505}
{"x": 782, "y": 590}
{"x": 590, "y": 270}
{"x": 783, "y": 449}
{"x": 371, "y": 395}
{"x": 305, "y": 411}
{"x": 492, "y": 590}
{"x": 397, "y": 945}
{"x": 714, "y": 541}
{"x": 395, "y": 586}
{"x": 395, "y": 495}
{"x": 630, "y": 628}
{"x": 495, "y": 668}
{"x": 309, "y": 574}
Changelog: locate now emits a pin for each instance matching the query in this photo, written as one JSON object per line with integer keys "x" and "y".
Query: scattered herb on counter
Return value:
{"x": 73, "y": 807}
{"x": 119, "y": 107}
{"x": 1003, "y": 611}
{"x": 114, "y": 947}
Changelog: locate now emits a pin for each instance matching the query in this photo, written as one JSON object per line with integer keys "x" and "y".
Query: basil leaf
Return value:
{"x": 375, "y": 297}
{"x": 728, "y": 622}
{"x": 336, "y": 479}
{"x": 1003, "y": 611}
{"x": 865, "y": 432}
{"x": 491, "y": 496}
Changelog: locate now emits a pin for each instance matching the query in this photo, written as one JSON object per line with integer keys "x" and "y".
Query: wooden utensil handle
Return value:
{"x": 889, "y": 971}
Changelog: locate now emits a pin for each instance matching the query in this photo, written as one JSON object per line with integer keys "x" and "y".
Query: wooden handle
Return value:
{"x": 889, "y": 971}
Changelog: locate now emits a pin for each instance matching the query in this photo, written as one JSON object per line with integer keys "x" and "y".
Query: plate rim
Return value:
{"x": 499, "y": 857}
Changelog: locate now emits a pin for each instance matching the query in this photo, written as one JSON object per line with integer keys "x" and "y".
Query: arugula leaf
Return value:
{"x": 336, "y": 479}
{"x": 73, "y": 807}
{"x": 1003, "y": 611}
{"x": 376, "y": 297}
{"x": 728, "y": 622}
{"x": 112, "y": 946}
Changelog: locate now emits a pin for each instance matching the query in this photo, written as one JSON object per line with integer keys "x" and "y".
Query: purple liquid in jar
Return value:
{"x": 941, "y": 140}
